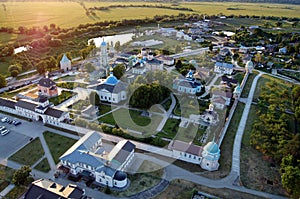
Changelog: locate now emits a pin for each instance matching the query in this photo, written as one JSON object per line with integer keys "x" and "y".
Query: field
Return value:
{"x": 29, "y": 154}
{"x": 71, "y": 14}
{"x": 57, "y": 144}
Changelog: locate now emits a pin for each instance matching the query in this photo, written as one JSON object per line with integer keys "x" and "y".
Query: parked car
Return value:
{"x": 4, "y": 132}
{"x": 2, "y": 128}
{"x": 4, "y": 119}
{"x": 9, "y": 121}
{"x": 17, "y": 123}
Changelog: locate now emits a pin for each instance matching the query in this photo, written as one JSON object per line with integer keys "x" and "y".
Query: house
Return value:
{"x": 219, "y": 102}
{"x": 243, "y": 50}
{"x": 209, "y": 116}
{"x": 147, "y": 63}
{"x": 188, "y": 85}
{"x": 41, "y": 110}
{"x": 283, "y": 50}
{"x": 167, "y": 32}
{"x": 65, "y": 63}
{"x": 228, "y": 81}
{"x": 47, "y": 189}
{"x": 225, "y": 95}
{"x": 223, "y": 68}
{"x": 111, "y": 90}
{"x": 47, "y": 87}
{"x": 210, "y": 156}
{"x": 186, "y": 151}
{"x": 169, "y": 61}
{"x": 224, "y": 52}
{"x": 88, "y": 158}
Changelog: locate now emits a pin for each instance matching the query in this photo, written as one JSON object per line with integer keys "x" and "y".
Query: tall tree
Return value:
{"x": 21, "y": 176}
{"x": 2, "y": 81}
{"x": 119, "y": 70}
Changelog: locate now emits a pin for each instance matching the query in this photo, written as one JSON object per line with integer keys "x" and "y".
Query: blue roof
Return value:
{"x": 238, "y": 89}
{"x": 225, "y": 65}
{"x": 64, "y": 58}
{"x": 112, "y": 80}
{"x": 212, "y": 148}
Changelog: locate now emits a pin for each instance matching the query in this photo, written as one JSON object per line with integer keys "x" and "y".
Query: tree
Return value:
{"x": 118, "y": 46}
{"x": 94, "y": 98}
{"x": 41, "y": 67}
{"x": 294, "y": 24}
{"x": 16, "y": 67}
{"x": 278, "y": 24}
{"x": 178, "y": 64}
{"x": 21, "y": 176}
{"x": 51, "y": 64}
{"x": 178, "y": 49}
{"x": 89, "y": 67}
{"x": 119, "y": 70}
{"x": 14, "y": 73}
{"x": 211, "y": 47}
{"x": 290, "y": 175}
{"x": 2, "y": 81}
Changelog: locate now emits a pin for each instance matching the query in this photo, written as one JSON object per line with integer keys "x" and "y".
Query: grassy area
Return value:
{"x": 65, "y": 95}
{"x": 13, "y": 93}
{"x": 16, "y": 192}
{"x": 103, "y": 108}
{"x": 6, "y": 174}
{"x": 43, "y": 166}
{"x": 70, "y": 14}
{"x": 80, "y": 105}
{"x": 149, "y": 174}
{"x": 29, "y": 154}
{"x": 255, "y": 170}
{"x": 57, "y": 144}
{"x": 167, "y": 104}
{"x": 170, "y": 129}
{"x": 248, "y": 85}
{"x": 135, "y": 122}
{"x": 183, "y": 189}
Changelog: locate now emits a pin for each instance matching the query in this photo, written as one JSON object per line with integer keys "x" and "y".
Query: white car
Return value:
{"x": 4, "y": 119}
{"x": 4, "y": 132}
{"x": 2, "y": 128}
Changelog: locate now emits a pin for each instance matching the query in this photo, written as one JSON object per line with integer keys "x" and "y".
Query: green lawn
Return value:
{"x": 103, "y": 108}
{"x": 6, "y": 174}
{"x": 43, "y": 166}
{"x": 149, "y": 174}
{"x": 248, "y": 85}
{"x": 135, "y": 121}
{"x": 170, "y": 129}
{"x": 58, "y": 144}
{"x": 65, "y": 95}
{"x": 29, "y": 154}
{"x": 227, "y": 144}
{"x": 15, "y": 92}
{"x": 16, "y": 192}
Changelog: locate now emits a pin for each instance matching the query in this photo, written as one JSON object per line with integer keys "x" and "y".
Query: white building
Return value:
{"x": 188, "y": 85}
{"x": 249, "y": 66}
{"x": 186, "y": 151}
{"x": 223, "y": 68}
{"x": 65, "y": 63}
{"x": 103, "y": 55}
{"x": 111, "y": 90}
{"x": 88, "y": 158}
{"x": 210, "y": 156}
{"x": 41, "y": 110}
{"x": 169, "y": 61}
{"x": 225, "y": 95}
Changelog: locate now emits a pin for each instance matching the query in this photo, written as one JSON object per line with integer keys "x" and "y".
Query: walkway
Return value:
{"x": 6, "y": 190}
{"x": 235, "y": 167}
{"x": 167, "y": 114}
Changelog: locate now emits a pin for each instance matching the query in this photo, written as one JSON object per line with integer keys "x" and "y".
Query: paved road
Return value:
{"x": 167, "y": 114}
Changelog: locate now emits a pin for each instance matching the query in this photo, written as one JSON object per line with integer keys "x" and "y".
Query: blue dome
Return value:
{"x": 103, "y": 43}
{"x": 120, "y": 176}
{"x": 111, "y": 79}
{"x": 212, "y": 148}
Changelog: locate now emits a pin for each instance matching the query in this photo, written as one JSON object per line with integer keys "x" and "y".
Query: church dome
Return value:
{"x": 111, "y": 79}
{"x": 249, "y": 64}
{"x": 103, "y": 43}
{"x": 212, "y": 148}
{"x": 237, "y": 89}
{"x": 120, "y": 176}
